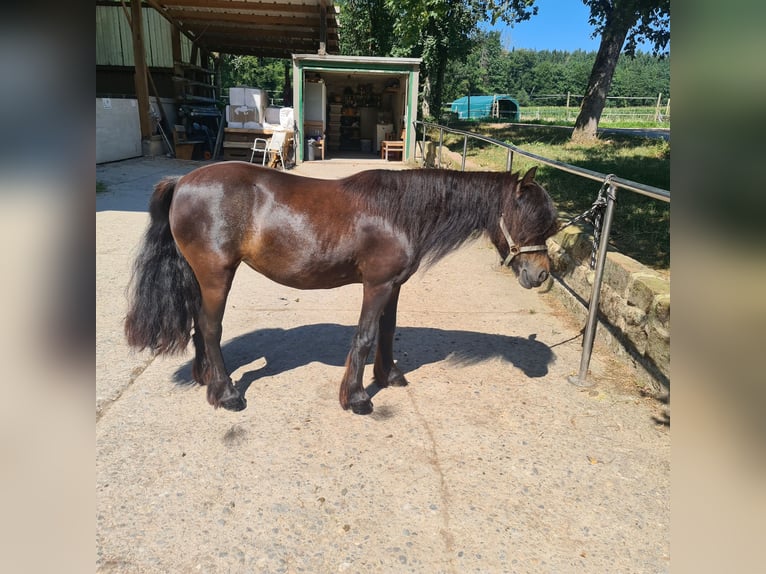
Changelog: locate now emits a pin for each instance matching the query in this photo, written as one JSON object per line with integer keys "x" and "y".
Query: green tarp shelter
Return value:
{"x": 500, "y": 106}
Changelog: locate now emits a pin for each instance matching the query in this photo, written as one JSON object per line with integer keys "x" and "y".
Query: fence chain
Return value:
{"x": 594, "y": 216}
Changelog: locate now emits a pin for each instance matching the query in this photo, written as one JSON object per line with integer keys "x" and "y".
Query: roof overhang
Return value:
{"x": 274, "y": 29}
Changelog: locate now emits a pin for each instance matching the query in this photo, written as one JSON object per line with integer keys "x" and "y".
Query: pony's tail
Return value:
{"x": 163, "y": 296}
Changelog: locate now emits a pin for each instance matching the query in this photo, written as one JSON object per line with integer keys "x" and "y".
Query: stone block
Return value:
{"x": 619, "y": 270}
{"x": 660, "y": 310}
{"x": 562, "y": 264}
{"x": 578, "y": 282}
{"x": 611, "y": 304}
{"x": 637, "y": 335}
{"x": 644, "y": 288}
{"x": 658, "y": 347}
{"x": 575, "y": 242}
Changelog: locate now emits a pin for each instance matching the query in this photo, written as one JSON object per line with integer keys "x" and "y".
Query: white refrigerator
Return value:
{"x": 315, "y": 103}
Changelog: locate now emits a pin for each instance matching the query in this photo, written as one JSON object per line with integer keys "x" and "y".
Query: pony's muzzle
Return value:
{"x": 528, "y": 279}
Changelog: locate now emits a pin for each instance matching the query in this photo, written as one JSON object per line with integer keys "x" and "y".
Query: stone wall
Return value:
{"x": 634, "y": 318}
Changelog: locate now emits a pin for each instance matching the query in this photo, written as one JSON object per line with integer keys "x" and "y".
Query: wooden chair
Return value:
{"x": 275, "y": 151}
{"x": 390, "y": 145}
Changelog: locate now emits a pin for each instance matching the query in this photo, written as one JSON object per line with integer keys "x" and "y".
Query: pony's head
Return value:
{"x": 528, "y": 218}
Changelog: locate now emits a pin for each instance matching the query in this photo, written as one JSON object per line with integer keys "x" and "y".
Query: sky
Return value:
{"x": 559, "y": 25}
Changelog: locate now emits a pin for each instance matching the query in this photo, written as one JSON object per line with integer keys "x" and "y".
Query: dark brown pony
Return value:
{"x": 375, "y": 228}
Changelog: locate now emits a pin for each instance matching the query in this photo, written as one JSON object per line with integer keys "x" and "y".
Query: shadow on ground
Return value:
{"x": 287, "y": 349}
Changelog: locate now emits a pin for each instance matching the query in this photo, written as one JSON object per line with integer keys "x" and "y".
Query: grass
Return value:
{"x": 641, "y": 227}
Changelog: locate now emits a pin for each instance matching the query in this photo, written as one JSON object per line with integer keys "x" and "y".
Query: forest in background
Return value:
{"x": 530, "y": 76}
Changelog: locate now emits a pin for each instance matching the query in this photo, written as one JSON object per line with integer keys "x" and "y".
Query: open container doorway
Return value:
{"x": 354, "y": 102}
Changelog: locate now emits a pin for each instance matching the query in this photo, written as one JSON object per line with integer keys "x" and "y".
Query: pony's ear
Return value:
{"x": 529, "y": 177}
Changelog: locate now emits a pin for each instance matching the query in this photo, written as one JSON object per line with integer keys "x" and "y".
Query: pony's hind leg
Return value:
{"x": 209, "y": 368}
{"x": 386, "y": 372}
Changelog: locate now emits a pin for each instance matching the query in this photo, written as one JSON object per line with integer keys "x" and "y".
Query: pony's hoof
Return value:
{"x": 394, "y": 379}
{"x": 398, "y": 381}
{"x": 234, "y": 403}
{"x": 361, "y": 408}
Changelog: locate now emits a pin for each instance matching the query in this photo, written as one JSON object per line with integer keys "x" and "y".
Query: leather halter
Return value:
{"x": 514, "y": 250}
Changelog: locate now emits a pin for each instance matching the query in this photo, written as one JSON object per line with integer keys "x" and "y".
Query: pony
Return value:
{"x": 376, "y": 227}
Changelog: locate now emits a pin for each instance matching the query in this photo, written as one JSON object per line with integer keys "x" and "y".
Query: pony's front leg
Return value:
{"x": 386, "y": 372}
{"x": 352, "y": 393}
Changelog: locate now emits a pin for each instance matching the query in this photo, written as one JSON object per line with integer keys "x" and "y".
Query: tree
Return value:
{"x": 440, "y": 30}
{"x": 367, "y": 28}
{"x": 619, "y": 22}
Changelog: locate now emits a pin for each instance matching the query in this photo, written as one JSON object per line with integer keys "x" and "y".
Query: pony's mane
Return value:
{"x": 437, "y": 209}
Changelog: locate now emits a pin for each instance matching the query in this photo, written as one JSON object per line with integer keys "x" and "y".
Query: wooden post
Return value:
{"x": 139, "y": 57}
{"x": 568, "y": 106}
{"x": 322, "y": 28}
{"x": 178, "y": 71}
{"x": 657, "y": 108}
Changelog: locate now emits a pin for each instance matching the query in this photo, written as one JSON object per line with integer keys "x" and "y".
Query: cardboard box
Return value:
{"x": 239, "y": 116}
{"x": 237, "y": 96}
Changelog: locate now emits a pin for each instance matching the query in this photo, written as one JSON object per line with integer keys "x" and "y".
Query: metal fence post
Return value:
{"x": 509, "y": 160}
{"x": 581, "y": 379}
{"x": 465, "y": 151}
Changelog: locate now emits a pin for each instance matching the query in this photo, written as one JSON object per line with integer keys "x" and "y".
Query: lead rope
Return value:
{"x": 594, "y": 215}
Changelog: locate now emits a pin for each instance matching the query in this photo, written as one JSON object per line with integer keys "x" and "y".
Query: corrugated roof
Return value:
{"x": 276, "y": 29}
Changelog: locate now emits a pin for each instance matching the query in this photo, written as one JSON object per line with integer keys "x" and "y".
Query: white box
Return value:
{"x": 237, "y": 96}
{"x": 272, "y": 116}
{"x": 254, "y": 98}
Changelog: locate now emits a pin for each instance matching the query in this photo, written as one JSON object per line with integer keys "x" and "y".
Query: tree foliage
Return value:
{"x": 530, "y": 75}
{"x": 620, "y": 23}
{"x": 366, "y": 28}
{"x": 435, "y": 30}
{"x": 265, "y": 73}
{"x": 459, "y": 58}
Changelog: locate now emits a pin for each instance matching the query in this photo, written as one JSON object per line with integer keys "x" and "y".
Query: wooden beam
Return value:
{"x": 139, "y": 57}
{"x": 322, "y": 28}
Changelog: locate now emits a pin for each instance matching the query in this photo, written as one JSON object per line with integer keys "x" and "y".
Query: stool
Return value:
{"x": 390, "y": 145}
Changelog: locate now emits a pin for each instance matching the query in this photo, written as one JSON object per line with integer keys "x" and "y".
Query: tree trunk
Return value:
{"x": 437, "y": 95}
{"x": 586, "y": 124}
{"x": 425, "y": 110}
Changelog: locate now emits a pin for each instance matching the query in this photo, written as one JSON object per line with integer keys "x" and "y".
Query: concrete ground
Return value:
{"x": 489, "y": 461}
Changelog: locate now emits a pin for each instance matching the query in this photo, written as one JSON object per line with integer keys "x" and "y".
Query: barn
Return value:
{"x": 157, "y": 80}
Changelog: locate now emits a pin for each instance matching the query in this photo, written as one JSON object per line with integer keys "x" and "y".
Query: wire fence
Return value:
{"x": 618, "y": 109}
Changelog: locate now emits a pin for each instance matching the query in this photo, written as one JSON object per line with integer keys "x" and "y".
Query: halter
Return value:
{"x": 514, "y": 250}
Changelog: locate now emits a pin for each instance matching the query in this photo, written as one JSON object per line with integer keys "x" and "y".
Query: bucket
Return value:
{"x": 153, "y": 146}
{"x": 311, "y": 152}
{"x": 366, "y": 145}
